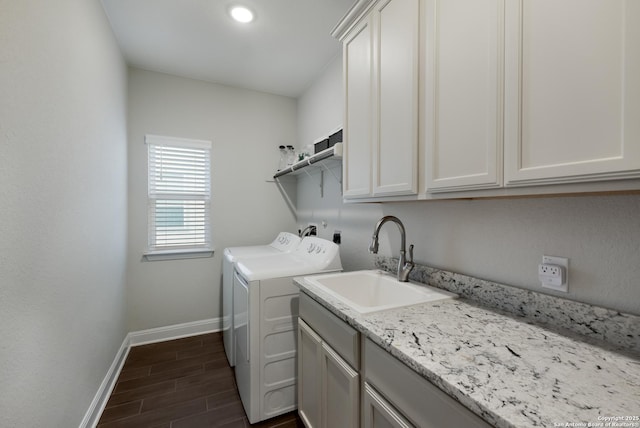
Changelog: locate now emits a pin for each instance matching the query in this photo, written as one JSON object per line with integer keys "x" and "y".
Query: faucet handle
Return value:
{"x": 410, "y": 260}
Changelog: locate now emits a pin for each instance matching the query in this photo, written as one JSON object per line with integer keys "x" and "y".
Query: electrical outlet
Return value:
{"x": 553, "y": 273}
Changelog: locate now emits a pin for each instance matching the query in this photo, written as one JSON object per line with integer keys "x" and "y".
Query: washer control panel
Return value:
{"x": 318, "y": 251}
{"x": 316, "y": 248}
{"x": 286, "y": 241}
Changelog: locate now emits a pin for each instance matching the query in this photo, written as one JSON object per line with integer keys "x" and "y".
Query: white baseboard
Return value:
{"x": 177, "y": 331}
{"x": 136, "y": 338}
{"x": 99, "y": 402}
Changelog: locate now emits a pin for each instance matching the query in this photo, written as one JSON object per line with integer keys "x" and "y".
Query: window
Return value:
{"x": 179, "y": 198}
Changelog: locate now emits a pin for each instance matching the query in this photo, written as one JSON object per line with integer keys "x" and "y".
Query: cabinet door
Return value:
{"x": 357, "y": 63}
{"x": 572, "y": 91}
{"x": 309, "y": 380}
{"x": 395, "y": 133}
{"x": 464, "y": 65}
{"x": 340, "y": 397}
{"x": 378, "y": 413}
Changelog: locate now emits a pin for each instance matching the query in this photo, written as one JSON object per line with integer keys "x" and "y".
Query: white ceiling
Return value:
{"x": 281, "y": 52}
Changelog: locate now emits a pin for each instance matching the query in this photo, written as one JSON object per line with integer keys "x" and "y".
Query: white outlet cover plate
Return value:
{"x": 560, "y": 261}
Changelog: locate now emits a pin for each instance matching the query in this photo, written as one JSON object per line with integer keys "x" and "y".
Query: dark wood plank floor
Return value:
{"x": 183, "y": 383}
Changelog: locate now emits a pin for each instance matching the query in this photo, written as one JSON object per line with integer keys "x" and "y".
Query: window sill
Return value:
{"x": 154, "y": 256}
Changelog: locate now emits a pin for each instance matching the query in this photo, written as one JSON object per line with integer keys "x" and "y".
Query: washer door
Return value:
{"x": 247, "y": 390}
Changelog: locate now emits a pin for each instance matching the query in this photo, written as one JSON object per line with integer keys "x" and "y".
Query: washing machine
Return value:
{"x": 283, "y": 243}
{"x": 265, "y": 322}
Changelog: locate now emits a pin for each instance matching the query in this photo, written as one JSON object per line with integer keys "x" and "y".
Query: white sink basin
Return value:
{"x": 370, "y": 291}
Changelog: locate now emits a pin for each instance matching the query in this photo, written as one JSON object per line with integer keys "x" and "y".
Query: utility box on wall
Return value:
{"x": 331, "y": 141}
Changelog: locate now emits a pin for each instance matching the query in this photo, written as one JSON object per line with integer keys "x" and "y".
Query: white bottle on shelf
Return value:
{"x": 291, "y": 156}
{"x": 284, "y": 155}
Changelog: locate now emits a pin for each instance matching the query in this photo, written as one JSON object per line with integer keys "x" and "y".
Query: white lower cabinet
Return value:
{"x": 328, "y": 384}
{"x": 378, "y": 413}
{"x": 340, "y": 391}
{"x": 309, "y": 379}
{"x": 409, "y": 399}
{"x": 347, "y": 381}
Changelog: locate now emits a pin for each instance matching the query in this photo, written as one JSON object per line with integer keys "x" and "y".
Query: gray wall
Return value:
{"x": 498, "y": 240}
{"x": 246, "y": 128}
{"x": 63, "y": 204}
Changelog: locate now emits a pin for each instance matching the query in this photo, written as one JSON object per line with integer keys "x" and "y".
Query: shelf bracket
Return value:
{"x": 321, "y": 184}
{"x": 291, "y": 204}
{"x": 326, "y": 168}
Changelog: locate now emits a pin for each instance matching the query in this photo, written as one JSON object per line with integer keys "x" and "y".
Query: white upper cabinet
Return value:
{"x": 358, "y": 71}
{"x": 483, "y": 98}
{"x": 464, "y": 62}
{"x": 395, "y": 135}
{"x": 381, "y": 66}
{"x": 572, "y": 91}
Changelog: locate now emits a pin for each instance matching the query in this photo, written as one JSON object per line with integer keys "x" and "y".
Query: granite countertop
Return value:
{"x": 510, "y": 372}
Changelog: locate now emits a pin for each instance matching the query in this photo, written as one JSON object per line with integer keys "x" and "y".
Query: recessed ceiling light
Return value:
{"x": 241, "y": 14}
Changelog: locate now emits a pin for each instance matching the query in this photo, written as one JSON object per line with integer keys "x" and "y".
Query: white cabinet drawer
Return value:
{"x": 342, "y": 338}
{"x": 421, "y": 402}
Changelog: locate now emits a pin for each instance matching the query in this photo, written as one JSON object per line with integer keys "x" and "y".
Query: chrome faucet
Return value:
{"x": 404, "y": 266}
{"x": 308, "y": 231}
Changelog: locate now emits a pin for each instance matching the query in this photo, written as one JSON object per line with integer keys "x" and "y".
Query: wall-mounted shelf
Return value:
{"x": 322, "y": 160}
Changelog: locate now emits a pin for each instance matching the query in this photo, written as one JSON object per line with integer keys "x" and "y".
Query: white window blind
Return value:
{"x": 179, "y": 194}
